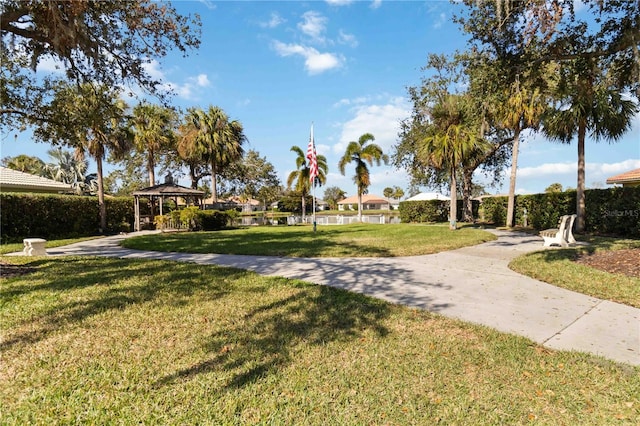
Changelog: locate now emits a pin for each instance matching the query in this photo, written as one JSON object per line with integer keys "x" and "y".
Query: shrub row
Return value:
{"x": 53, "y": 216}
{"x": 431, "y": 211}
{"x": 613, "y": 211}
{"x": 194, "y": 219}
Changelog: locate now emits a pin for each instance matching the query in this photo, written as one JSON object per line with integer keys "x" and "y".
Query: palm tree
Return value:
{"x": 188, "y": 154}
{"x": 95, "y": 123}
{"x": 362, "y": 153}
{"x": 25, "y": 163}
{"x": 152, "y": 127}
{"x": 219, "y": 141}
{"x": 588, "y": 102}
{"x": 66, "y": 168}
{"x": 301, "y": 175}
{"x": 450, "y": 139}
{"x": 387, "y": 192}
{"x": 523, "y": 109}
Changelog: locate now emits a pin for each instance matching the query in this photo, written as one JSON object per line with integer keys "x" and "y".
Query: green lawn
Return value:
{"x": 116, "y": 341}
{"x": 15, "y": 247}
{"x": 362, "y": 240}
{"x": 557, "y": 267}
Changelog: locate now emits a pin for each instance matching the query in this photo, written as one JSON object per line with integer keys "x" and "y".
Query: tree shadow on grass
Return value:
{"x": 270, "y": 335}
{"x": 106, "y": 285}
{"x": 301, "y": 242}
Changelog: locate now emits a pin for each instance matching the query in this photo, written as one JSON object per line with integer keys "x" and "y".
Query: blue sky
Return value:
{"x": 345, "y": 66}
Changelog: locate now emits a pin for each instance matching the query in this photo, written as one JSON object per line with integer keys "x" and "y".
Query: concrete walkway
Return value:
{"x": 473, "y": 284}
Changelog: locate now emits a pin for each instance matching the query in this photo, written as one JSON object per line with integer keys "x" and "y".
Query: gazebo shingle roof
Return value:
{"x": 168, "y": 190}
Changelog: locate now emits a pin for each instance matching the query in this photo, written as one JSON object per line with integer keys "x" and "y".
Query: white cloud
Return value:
{"x": 376, "y": 4}
{"x": 348, "y": 39}
{"x": 313, "y": 25}
{"x": 274, "y": 21}
{"x": 209, "y": 4}
{"x": 153, "y": 69}
{"x": 184, "y": 90}
{"x": 442, "y": 18}
{"x": 571, "y": 168}
{"x": 382, "y": 121}
{"x": 315, "y": 61}
{"x": 49, "y": 64}
{"x": 202, "y": 80}
{"x": 339, "y": 2}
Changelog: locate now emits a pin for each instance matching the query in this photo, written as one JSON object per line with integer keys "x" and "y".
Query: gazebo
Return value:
{"x": 162, "y": 191}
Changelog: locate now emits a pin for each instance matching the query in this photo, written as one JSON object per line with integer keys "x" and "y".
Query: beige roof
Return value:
{"x": 15, "y": 181}
{"x": 626, "y": 177}
{"x": 366, "y": 199}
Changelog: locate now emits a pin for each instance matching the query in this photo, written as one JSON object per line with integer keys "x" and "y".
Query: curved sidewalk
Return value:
{"x": 472, "y": 283}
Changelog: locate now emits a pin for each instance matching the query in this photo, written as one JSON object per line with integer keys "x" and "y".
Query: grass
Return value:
{"x": 361, "y": 240}
{"x": 558, "y": 267}
{"x": 16, "y": 247}
{"x": 104, "y": 341}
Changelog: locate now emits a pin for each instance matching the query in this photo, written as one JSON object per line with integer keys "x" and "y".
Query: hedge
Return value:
{"x": 431, "y": 210}
{"x": 613, "y": 211}
{"x": 53, "y": 216}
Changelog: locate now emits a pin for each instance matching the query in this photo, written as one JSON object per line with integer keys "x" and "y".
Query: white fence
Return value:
{"x": 343, "y": 220}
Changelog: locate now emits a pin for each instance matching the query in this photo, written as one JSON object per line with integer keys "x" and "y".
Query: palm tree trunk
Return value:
{"x": 467, "y": 183}
{"x": 101, "y": 206}
{"x": 359, "y": 206}
{"x": 580, "y": 202}
{"x": 214, "y": 192}
{"x": 453, "y": 204}
{"x": 151, "y": 169}
{"x": 304, "y": 207}
{"x": 152, "y": 180}
{"x": 512, "y": 181}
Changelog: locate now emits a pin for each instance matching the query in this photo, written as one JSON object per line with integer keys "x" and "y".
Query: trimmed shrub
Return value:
{"x": 431, "y": 210}
{"x": 613, "y": 211}
{"x": 52, "y": 216}
{"x": 213, "y": 220}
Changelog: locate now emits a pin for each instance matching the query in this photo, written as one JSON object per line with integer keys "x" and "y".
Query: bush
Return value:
{"x": 190, "y": 218}
{"x": 431, "y": 210}
{"x": 52, "y": 216}
{"x": 613, "y": 211}
{"x": 213, "y": 220}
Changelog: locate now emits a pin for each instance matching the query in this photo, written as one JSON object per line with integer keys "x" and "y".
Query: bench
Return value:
{"x": 562, "y": 235}
{"x": 34, "y": 247}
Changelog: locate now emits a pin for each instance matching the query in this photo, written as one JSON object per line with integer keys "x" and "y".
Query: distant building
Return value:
{"x": 426, "y": 196}
{"x": 626, "y": 179}
{"x": 369, "y": 202}
{"x": 15, "y": 181}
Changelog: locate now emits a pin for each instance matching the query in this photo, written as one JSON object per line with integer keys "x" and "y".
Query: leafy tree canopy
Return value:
{"x": 108, "y": 42}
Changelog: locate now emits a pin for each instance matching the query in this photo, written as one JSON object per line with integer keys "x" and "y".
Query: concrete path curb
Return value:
{"x": 472, "y": 283}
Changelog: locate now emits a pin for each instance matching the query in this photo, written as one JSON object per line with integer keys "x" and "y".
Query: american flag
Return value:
{"x": 311, "y": 155}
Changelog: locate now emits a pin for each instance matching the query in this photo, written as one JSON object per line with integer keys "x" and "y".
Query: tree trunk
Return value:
{"x": 194, "y": 179}
{"x": 512, "y": 181}
{"x": 214, "y": 192}
{"x": 304, "y": 207}
{"x": 151, "y": 169}
{"x": 453, "y": 206}
{"x": 101, "y": 206}
{"x": 359, "y": 205}
{"x": 152, "y": 180}
{"x": 467, "y": 183}
{"x": 580, "y": 203}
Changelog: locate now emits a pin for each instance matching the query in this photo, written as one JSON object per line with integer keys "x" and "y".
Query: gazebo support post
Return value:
{"x": 136, "y": 214}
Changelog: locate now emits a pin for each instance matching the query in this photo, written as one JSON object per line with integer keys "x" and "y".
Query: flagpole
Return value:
{"x": 314, "y": 182}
